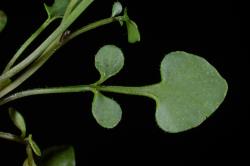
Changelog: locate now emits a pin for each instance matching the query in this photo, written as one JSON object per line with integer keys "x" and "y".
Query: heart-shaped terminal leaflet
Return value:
{"x": 190, "y": 91}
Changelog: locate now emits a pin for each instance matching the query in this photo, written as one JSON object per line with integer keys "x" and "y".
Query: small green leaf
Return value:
{"x": 117, "y": 9}
{"x": 109, "y": 61}
{"x": 3, "y": 20}
{"x": 132, "y": 29}
{"x": 34, "y": 146}
{"x": 59, "y": 156}
{"x": 18, "y": 120}
{"x": 133, "y": 32}
{"x": 106, "y": 111}
{"x": 57, "y": 9}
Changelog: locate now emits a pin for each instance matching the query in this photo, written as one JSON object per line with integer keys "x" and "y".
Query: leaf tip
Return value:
{"x": 133, "y": 32}
{"x": 116, "y": 9}
{"x": 18, "y": 121}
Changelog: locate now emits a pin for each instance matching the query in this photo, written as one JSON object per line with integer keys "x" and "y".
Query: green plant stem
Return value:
{"x": 69, "y": 9}
{"x": 30, "y": 70}
{"x": 141, "y": 91}
{"x": 93, "y": 26}
{"x": 68, "y": 89}
{"x": 51, "y": 50}
{"x": 128, "y": 90}
{"x": 11, "y": 137}
{"x": 27, "y": 43}
{"x": 35, "y": 54}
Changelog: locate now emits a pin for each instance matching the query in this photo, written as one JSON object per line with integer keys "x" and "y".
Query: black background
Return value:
{"x": 211, "y": 29}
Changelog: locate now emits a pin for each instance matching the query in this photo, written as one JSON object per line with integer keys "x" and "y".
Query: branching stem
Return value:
{"x": 51, "y": 50}
{"x": 27, "y": 43}
{"x": 37, "y": 52}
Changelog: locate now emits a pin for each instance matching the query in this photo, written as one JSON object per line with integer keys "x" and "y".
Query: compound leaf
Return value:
{"x": 190, "y": 90}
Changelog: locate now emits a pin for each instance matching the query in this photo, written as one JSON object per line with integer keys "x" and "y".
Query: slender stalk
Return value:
{"x": 27, "y": 43}
{"x": 93, "y": 26}
{"x": 51, "y": 50}
{"x": 139, "y": 91}
{"x": 43, "y": 91}
{"x": 35, "y": 54}
{"x": 30, "y": 70}
{"x": 11, "y": 137}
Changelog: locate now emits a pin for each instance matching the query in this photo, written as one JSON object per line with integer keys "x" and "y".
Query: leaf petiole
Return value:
{"x": 141, "y": 91}
{"x": 43, "y": 91}
{"x": 93, "y": 26}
